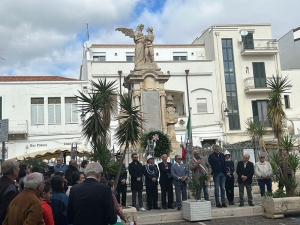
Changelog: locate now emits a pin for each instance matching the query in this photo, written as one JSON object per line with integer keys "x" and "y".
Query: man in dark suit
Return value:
{"x": 91, "y": 202}
{"x": 136, "y": 172}
{"x": 218, "y": 170}
{"x": 151, "y": 174}
{"x": 179, "y": 173}
{"x": 122, "y": 185}
{"x": 245, "y": 171}
{"x": 165, "y": 181}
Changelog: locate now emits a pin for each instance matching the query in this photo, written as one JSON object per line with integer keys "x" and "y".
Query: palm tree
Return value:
{"x": 97, "y": 106}
{"x": 255, "y": 129}
{"x": 130, "y": 128}
{"x": 275, "y": 111}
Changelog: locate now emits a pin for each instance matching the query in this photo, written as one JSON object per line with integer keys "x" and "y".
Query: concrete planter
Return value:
{"x": 277, "y": 207}
{"x": 196, "y": 211}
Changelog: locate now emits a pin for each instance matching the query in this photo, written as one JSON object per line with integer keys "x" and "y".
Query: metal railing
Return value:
{"x": 259, "y": 44}
{"x": 256, "y": 83}
{"x": 18, "y": 126}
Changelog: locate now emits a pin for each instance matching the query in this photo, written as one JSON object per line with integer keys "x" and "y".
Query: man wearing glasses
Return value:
{"x": 263, "y": 172}
{"x": 136, "y": 172}
{"x": 179, "y": 174}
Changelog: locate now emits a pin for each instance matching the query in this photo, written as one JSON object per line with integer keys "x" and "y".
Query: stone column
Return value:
{"x": 163, "y": 112}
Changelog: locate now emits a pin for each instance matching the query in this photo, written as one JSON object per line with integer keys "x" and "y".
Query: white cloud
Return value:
{"x": 45, "y": 37}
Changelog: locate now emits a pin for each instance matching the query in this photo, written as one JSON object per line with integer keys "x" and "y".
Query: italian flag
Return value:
{"x": 187, "y": 137}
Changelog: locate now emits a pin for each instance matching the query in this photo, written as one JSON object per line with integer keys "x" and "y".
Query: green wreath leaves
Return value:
{"x": 163, "y": 145}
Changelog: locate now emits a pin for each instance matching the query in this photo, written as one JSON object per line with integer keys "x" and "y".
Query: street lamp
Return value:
{"x": 224, "y": 110}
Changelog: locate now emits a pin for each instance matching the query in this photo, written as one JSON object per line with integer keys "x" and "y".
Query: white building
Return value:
{"x": 114, "y": 62}
{"x": 245, "y": 56}
{"x": 42, "y": 113}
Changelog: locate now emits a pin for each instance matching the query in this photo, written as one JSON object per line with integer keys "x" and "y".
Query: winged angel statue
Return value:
{"x": 143, "y": 43}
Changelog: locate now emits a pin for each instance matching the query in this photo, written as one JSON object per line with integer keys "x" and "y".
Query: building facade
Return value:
{"x": 43, "y": 114}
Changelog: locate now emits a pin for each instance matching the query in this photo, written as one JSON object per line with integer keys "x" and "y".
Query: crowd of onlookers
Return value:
{"x": 65, "y": 194}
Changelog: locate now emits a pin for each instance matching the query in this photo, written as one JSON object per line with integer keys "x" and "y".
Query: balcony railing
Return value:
{"x": 264, "y": 121}
{"x": 18, "y": 127}
{"x": 252, "y": 84}
{"x": 259, "y": 46}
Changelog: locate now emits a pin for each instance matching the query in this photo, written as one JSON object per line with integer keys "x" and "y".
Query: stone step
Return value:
{"x": 173, "y": 215}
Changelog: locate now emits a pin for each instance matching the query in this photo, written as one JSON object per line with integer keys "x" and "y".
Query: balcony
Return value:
{"x": 264, "y": 121}
{"x": 17, "y": 127}
{"x": 256, "y": 85}
{"x": 259, "y": 47}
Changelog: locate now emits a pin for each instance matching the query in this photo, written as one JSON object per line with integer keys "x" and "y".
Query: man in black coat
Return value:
{"x": 136, "y": 172}
{"x": 122, "y": 185}
{"x": 151, "y": 174}
{"x": 8, "y": 190}
{"x": 91, "y": 202}
{"x": 71, "y": 169}
{"x": 165, "y": 181}
{"x": 245, "y": 171}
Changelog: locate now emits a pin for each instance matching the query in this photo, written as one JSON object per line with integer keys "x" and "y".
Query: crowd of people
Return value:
{"x": 65, "y": 194}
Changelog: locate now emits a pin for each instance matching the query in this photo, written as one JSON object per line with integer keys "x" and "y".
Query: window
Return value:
{"x": 129, "y": 58}
{"x": 259, "y": 111}
{"x": 99, "y": 58}
{"x": 71, "y": 110}
{"x": 287, "y": 101}
{"x": 230, "y": 84}
{"x": 37, "y": 111}
{"x": 248, "y": 41}
{"x": 54, "y": 111}
{"x": 201, "y": 105}
{"x": 178, "y": 56}
{"x": 259, "y": 74}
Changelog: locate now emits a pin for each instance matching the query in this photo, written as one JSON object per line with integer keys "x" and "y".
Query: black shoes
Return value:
{"x": 241, "y": 205}
{"x": 171, "y": 207}
{"x": 179, "y": 208}
{"x": 219, "y": 205}
{"x": 231, "y": 203}
{"x": 165, "y": 207}
{"x": 251, "y": 204}
{"x": 156, "y": 207}
{"x": 224, "y": 205}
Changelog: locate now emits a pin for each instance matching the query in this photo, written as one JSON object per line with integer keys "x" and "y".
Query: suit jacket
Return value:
{"x": 248, "y": 171}
{"x": 194, "y": 167}
{"x": 178, "y": 171}
{"x": 91, "y": 203}
{"x": 135, "y": 171}
{"x": 164, "y": 177}
{"x": 149, "y": 176}
{"x": 214, "y": 163}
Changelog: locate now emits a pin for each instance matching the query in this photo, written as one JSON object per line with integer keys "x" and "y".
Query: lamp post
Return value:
{"x": 224, "y": 110}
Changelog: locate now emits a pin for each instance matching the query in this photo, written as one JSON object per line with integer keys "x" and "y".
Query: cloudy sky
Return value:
{"x": 41, "y": 37}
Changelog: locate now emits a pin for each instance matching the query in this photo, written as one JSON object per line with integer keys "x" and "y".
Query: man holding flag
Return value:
{"x": 200, "y": 167}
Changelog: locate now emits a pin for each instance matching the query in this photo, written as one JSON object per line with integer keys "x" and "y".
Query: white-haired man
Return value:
{"x": 60, "y": 166}
{"x": 26, "y": 208}
{"x": 245, "y": 171}
{"x": 8, "y": 190}
{"x": 91, "y": 202}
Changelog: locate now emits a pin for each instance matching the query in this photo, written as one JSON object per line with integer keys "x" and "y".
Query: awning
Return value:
{"x": 54, "y": 153}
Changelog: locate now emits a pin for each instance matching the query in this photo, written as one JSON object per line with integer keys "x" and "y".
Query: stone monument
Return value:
{"x": 146, "y": 81}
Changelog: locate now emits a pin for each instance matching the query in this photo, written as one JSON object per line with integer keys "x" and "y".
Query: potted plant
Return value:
{"x": 284, "y": 164}
{"x": 195, "y": 210}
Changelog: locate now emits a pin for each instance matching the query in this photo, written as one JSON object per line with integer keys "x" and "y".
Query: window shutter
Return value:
{"x": 255, "y": 111}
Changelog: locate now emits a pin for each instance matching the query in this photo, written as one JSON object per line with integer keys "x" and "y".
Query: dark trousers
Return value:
{"x": 140, "y": 198}
{"x": 264, "y": 182}
{"x": 122, "y": 189}
{"x": 152, "y": 196}
{"x": 180, "y": 191}
{"x": 229, "y": 186}
{"x": 249, "y": 192}
{"x": 168, "y": 187}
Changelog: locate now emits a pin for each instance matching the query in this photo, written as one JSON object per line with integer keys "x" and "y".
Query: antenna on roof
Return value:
{"x": 87, "y": 31}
